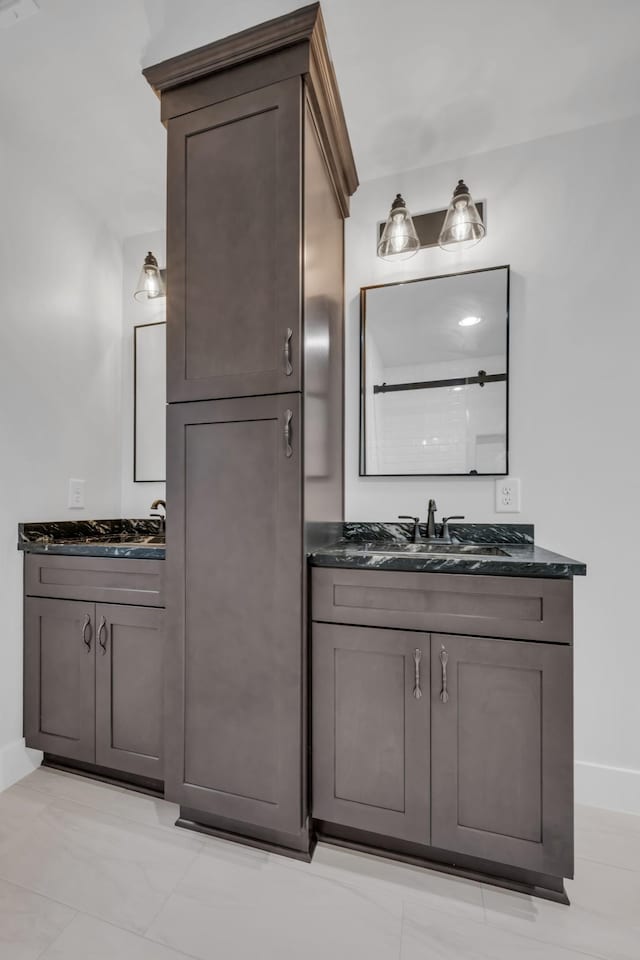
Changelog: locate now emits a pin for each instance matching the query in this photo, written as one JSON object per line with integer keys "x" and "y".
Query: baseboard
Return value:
{"x": 613, "y": 788}
{"x": 16, "y": 761}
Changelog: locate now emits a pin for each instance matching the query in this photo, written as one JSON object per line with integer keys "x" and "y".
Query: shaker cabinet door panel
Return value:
{"x": 129, "y": 689}
{"x": 233, "y": 222}
{"x": 234, "y": 555}
{"x": 59, "y": 677}
{"x": 502, "y": 774}
{"x": 370, "y": 698}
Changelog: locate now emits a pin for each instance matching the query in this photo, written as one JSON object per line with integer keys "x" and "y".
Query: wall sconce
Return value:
{"x": 151, "y": 282}
{"x": 463, "y": 226}
{"x": 458, "y": 227}
{"x": 399, "y": 239}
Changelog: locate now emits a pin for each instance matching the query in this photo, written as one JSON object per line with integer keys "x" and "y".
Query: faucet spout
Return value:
{"x": 431, "y": 520}
{"x": 159, "y": 510}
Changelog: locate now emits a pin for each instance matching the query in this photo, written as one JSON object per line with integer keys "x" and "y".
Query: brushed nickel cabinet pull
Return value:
{"x": 444, "y": 660}
{"x": 101, "y": 629}
{"x": 417, "y": 657}
{"x": 288, "y": 417}
{"x": 288, "y": 368}
{"x": 86, "y": 637}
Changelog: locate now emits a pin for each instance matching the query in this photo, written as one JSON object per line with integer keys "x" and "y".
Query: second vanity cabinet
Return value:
{"x": 94, "y": 669}
{"x": 445, "y": 741}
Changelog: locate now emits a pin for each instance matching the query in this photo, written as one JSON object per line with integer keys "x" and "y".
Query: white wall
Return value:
{"x": 60, "y": 408}
{"x": 136, "y": 497}
{"x": 564, "y": 213}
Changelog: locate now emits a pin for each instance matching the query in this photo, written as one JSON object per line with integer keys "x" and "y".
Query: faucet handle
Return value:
{"x": 416, "y": 526}
{"x": 445, "y": 533}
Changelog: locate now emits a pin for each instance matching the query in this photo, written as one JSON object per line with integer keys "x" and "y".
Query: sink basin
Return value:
{"x": 438, "y": 549}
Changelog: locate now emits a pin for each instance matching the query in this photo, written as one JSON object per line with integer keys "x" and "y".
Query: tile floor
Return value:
{"x": 93, "y": 872}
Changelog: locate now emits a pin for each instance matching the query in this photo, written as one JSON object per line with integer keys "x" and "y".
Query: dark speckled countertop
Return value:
{"x": 510, "y": 548}
{"x": 510, "y": 551}
{"x": 127, "y": 539}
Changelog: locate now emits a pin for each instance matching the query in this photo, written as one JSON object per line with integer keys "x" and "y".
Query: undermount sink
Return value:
{"x": 438, "y": 549}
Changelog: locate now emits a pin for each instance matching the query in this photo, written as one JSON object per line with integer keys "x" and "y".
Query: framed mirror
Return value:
{"x": 434, "y": 376}
{"x": 149, "y": 402}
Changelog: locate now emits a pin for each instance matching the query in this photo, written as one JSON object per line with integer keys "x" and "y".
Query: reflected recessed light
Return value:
{"x": 469, "y": 321}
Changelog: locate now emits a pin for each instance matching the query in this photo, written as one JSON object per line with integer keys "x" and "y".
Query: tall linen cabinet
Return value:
{"x": 259, "y": 176}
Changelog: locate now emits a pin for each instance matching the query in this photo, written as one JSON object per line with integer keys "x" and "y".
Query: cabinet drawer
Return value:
{"x": 514, "y": 607}
{"x": 102, "y": 579}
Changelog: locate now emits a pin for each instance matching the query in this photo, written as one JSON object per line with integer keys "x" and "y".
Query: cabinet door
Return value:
{"x": 502, "y": 757}
{"x": 233, "y": 256}
{"x": 59, "y": 677}
{"x": 129, "y": 688}
{"x": 234, "y": 555}
{"x": 370, "y": 693}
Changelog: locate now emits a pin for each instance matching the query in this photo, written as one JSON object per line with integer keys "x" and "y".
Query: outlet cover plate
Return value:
{"x": 76, "y": 495}
{"x": 508, "y": 498}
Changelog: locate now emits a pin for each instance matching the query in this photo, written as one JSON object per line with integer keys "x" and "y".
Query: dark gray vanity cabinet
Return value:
{"x": 59, "y": 664}
{"x": 502, "y": 754}
{"x": 233, "y": 232}
{"x": 477, "y": 773}
{"x": 235, "y": 660}
{"x": 260, "y": 172}
{"x": 94, "y": 671}
{"x": 371, "y": 734}
{"x": 130, "y": 689}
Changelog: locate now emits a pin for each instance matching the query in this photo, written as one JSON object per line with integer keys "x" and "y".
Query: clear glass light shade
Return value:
{"x": 150, "y": 283}
{"x": 399, "y": 239}
{"x": 463, "y": 226}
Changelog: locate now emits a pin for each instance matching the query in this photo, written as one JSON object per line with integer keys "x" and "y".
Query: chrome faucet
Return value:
{"x": 160, "y": 508}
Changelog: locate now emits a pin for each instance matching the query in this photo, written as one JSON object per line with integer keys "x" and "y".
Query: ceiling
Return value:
{"x": 422, "y": 81}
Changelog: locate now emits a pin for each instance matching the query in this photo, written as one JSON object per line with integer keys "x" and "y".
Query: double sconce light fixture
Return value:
{"x": 460, "y": 226}
{"x": 151, "y": 282}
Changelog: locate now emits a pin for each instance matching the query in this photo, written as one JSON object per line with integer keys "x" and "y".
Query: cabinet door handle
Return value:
{"x": 288, "y": 368}
{"x": 101, "y": 630}
{"x": 86, "y": 636}
{"x": 417, "y": 657}
{"x": 444, "y": 660}
{"x": 288, "y": 417}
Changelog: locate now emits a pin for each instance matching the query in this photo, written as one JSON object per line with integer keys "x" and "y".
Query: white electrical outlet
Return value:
{"x": 508, "y": 495}
{"x": 76, "y": 495}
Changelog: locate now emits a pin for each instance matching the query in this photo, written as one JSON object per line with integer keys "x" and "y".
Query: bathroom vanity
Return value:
{"x": 321, "y": 679}
{"x": 443, "y": 702}
{"x": 94, "y": 647}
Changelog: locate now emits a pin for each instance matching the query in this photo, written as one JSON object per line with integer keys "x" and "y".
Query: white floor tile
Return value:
{"x": 18, "y": 809}
{"x": 594, "y": 818}
{"x": 229, "y": 905}
{"x": 438, "y": 890}
{"x": 604, "y": 840}
{"x": 574, "y": 927}
{"x": 103, "y": 796}
{"x": 89, "y": 939}
{"x": 28, "y": 922}
{"x": 430, "y": 935}
{"x": 103, "y": 865}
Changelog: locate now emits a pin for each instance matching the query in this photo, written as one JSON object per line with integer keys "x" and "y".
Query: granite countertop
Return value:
{"x": 127, "y": 539}
{"x": 511, "y": 551}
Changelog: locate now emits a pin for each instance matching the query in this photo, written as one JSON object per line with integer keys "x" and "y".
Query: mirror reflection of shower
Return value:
{"x": 434, "y": 375}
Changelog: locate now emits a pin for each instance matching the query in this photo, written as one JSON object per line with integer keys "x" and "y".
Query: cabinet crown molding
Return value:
{"x": 303, "y": 28}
